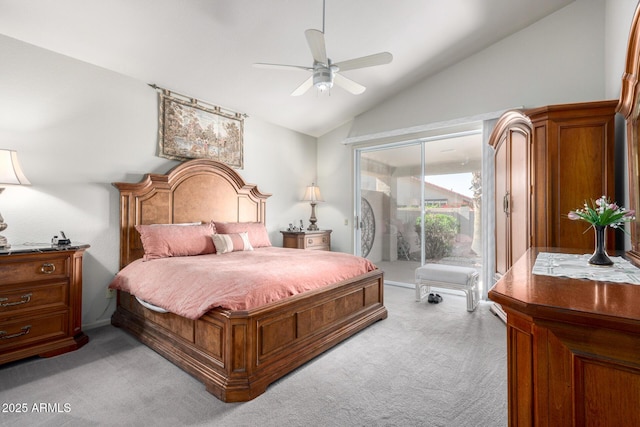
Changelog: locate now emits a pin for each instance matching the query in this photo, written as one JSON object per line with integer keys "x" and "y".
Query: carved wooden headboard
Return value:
{"x": 194, "y": 191}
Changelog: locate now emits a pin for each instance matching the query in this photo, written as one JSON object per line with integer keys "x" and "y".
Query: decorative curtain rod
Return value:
{"x": 194, "y": 101}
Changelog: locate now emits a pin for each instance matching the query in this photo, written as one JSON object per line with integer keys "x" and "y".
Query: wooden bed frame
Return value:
{"x": 236, "y": 354}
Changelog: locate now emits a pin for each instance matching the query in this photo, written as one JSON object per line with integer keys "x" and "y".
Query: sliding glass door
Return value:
{"x": 419, "y": 202}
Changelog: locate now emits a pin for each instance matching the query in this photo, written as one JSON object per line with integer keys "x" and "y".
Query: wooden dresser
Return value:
{"x": 573, "y": 348}
{"x": 317, "y": 240}
{"x": 40, "y": 301}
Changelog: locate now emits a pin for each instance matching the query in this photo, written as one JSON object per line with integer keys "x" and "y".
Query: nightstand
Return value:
{"x": 40, "y": 301}
{"x": 316, "y": 240}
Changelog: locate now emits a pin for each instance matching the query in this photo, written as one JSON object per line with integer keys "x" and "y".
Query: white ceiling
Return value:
{"x": 205, "y": 48}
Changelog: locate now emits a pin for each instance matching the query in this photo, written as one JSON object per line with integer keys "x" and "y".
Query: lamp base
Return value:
{"x": 312, "y": 226}
{"x": 3, "y": 226}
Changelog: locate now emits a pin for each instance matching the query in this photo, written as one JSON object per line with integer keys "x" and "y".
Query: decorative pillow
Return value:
{"x": 171, "y": 240}
{"x": 258, "y": 236}
{"x": 233, "y": 242}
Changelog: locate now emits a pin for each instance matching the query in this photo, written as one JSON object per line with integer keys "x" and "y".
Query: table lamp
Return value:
{"x": 10, "y": 174}
{"x": 312, "y": 194}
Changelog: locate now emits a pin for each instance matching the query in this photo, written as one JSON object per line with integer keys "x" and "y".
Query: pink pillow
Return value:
{"x": 234, "y": 242}
{"x": 257, "y": 232}
{"x": 169, "y": 240}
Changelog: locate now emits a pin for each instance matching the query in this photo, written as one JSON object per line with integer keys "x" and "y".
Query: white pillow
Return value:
{"x": 233, "y": 242}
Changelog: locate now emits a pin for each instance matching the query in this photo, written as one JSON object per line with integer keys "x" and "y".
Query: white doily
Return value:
{"x": 578, "y": 267}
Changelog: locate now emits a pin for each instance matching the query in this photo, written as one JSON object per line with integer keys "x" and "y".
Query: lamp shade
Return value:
{"x": 312, "y": 194}
{"x": 10, "y": 170}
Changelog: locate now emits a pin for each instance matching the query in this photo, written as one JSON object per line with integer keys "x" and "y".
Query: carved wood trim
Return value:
{"x": 628, "y": 103}
{"x": 509, "y": 120}
{"x": 628, "y": 107}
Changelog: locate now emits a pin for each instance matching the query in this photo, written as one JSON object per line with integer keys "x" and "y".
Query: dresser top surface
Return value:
{"x": 546, "y": 296}
{"x": 41, "y": 248}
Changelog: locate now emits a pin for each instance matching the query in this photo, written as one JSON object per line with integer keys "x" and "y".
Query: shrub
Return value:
{"x": 439, "y": 234}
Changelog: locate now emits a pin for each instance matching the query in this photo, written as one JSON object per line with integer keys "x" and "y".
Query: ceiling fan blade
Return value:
{"x": 348, "y": 84}
{"x": 365, "y": 61}
{"x": 305, "y": 86}
{"x": 281, "y": 66}
{"x": 315, "y": 40}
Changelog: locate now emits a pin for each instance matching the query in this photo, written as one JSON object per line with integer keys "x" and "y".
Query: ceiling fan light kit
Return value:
{"x": 324, "y": 72}
{"x": 323, "y": 76}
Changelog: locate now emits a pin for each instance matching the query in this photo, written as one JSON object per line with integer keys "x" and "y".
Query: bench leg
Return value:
{"x": 472, "y": 298}
{"x": 422, "y": 291}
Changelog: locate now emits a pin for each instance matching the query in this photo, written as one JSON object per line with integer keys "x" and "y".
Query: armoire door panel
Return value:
{"x": 582, "y": 178}
{"x": 501, "y": 190}
{"x": 519, "y": 195}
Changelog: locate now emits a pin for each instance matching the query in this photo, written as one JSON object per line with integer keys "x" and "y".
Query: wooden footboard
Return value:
{"x": 237, "y": 354}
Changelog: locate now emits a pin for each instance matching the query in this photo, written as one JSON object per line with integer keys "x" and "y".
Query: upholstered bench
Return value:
{"x": 449, "y": 277}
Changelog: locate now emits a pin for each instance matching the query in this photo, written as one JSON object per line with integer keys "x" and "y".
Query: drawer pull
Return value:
{"x": 25, "y": 331}
{"x": 25, "y": 299}
{"x": 48, "y": 268}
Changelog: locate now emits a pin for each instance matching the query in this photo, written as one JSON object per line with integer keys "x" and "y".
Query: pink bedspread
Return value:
{"x": 190, "y": 286}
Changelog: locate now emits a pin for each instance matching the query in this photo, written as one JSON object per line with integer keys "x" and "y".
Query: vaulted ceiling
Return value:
{"x": 205, "y": 48}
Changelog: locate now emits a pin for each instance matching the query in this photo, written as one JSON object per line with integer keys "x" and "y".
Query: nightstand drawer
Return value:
{"x": 18, "y": 333}
{"x": 317, "y": 242}
{"x": 313, "y": 240}
{"x": 27, "y": 269}
{"x": 33, "y": 297}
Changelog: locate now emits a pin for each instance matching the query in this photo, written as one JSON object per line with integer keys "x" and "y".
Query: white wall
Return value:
{"x": 559, "y": 59}
{"x": 78, "y": 128}
{"x": 619, "y": 14}
{"x": 335, "y": 178}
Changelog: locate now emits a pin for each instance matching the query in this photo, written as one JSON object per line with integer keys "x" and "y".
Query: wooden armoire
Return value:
{"x": 548, "y": 161}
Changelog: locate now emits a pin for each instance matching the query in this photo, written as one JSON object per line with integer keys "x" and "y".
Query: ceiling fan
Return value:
{"x": 324, "y": 72}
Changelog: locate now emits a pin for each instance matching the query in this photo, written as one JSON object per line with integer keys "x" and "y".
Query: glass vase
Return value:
{"x": 600, "y": 256}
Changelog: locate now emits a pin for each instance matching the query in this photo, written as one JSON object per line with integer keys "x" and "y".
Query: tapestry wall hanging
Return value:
{"x": 192, "y": 129}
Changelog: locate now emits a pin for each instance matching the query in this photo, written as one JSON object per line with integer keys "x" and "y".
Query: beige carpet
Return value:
{"x": 426, "y": 365}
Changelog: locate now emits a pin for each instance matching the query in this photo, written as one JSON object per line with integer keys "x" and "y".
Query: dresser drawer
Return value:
{"x": 317, "y": 242}
{"x": 15, "y": 299}
{"x": 30, "y": 330}
{"x": 30, "y": 269}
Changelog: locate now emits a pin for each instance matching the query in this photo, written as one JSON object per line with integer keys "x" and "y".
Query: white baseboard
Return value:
{"x": 498, "y": 311}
